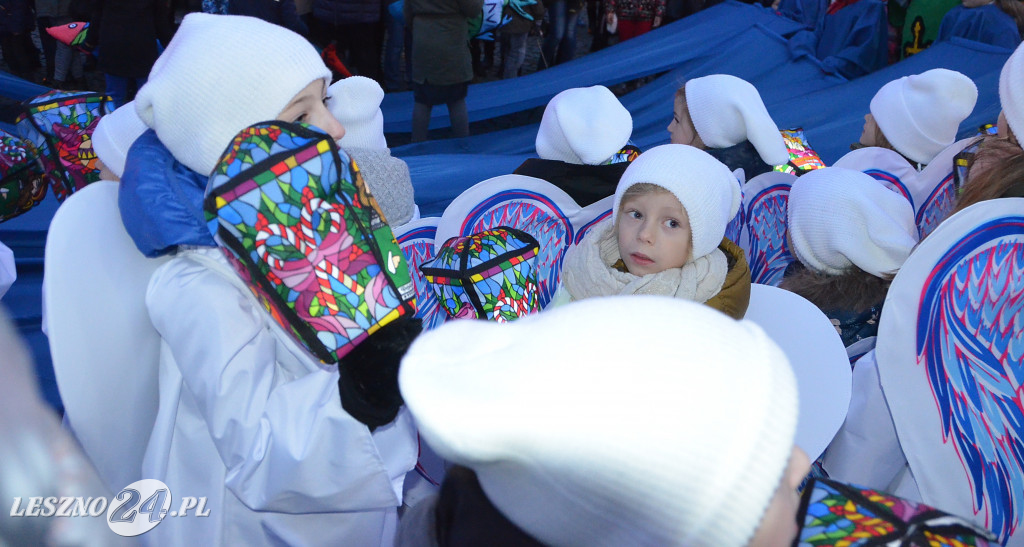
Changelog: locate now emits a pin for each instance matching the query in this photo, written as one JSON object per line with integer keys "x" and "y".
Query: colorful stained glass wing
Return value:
{"x": 490, "y": 275}
{"x": 22, "y": 176}
{"x": 802, "y": 158}
{"x": 60, "y": 125}
{"x": 839, "y": 515}
{"x": 296, "y": 219}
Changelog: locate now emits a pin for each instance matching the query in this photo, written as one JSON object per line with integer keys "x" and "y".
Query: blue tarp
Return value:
{"x": 691, "y": 39}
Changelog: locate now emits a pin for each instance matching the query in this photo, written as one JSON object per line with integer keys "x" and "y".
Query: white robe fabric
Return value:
{"x": 248, "y": 419}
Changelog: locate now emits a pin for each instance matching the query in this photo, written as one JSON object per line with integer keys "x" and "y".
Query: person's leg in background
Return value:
{"x": 459, "y": 116}
{"x": 420, "y": 121}
{"x": 553, "y": 34}
{"x": 394, "y": 43}
{"x": 514, "y": 46}
{"x": 117, "y": 89}
{"x": 49, "y": 47}
{"x": 567, "y": 47}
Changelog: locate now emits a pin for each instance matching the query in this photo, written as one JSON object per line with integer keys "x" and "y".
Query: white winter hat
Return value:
{"x": 608, "y": 433}
{"x": 114, "y": 135}
{"x": 727, "y": 110}
{"x": 583, "y": 125}
{"x": 840, "y": 218}
{"x": 219, "y": 75}
{"x": 1011, "y": 92}
{"x": 705, "y": 187}
{"x": 921, "y": 113}
{"x": 355, "y": 102}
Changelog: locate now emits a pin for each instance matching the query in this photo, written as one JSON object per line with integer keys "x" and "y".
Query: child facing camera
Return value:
{"x": 665, "y": 236}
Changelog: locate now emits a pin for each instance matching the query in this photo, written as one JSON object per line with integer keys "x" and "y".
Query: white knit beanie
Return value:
{"x": 840, "y": 218}
{"x": 583, "y": 125}
{"x": 921, "y": 113}
{"x": 355, "y": 102}
{"x": 1011, "y": 92}
{"x": 633, "y": 420}
{"x": 114, "y": 135}
{"x": 219, "y": 75}
{"x": 705, "y": 187}
{"x": 727, "y": 110}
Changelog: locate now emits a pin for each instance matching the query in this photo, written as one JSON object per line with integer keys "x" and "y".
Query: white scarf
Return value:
{"x": 588, "y": 271}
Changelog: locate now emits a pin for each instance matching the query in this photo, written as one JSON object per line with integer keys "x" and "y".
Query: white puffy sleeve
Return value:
{"x": 283, "y": 437}
{"x": 866, "y": 451}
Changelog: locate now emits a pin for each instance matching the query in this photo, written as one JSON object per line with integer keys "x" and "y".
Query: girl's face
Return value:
{"x": 867, "y": 135}
{"x": 653, "y": 233}
{"x": 778, "y": 525}
{"x": 680, "y": 129}
{"x": 308, "y": 107}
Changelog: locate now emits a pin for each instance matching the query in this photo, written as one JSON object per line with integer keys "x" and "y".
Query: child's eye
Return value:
{"x": 327, "y": 98}
{"x": 635, "y": 214}
{"x": 672, "y": 223}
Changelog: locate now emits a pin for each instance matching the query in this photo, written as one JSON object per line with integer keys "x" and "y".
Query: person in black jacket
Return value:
{"x": 127, "y": 34}
{"x": 580, "y": 143}
{"x": 356, "y": 27}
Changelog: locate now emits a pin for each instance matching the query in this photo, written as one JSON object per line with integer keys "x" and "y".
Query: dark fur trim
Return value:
{"x": 369, "y": 373}
{"x": 854, "y": 291}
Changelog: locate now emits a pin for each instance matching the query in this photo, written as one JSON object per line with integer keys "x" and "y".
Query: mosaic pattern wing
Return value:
{"x": 60, "y": 125}
{"x": 838, "y": 515}
{"x": 489, "y": 275}
{"x": 22, "y": 183}
{"x": 294, "y": 216}
{"x": 534, "y": 206}
{"x": 766, "y": 205}
{"x": 802, "y": 158}
{"x": 417, "y": 242}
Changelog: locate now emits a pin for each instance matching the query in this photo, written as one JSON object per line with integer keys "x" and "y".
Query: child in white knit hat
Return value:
{"x": 850, "y": 234}
{"x": 580, "y": 137}
{"x": 666, "y": 236}
{"x": 919, "y": 115}
{"x": 725, "y": 116}
{"x": 248, "y": 417}
{"x": 640, "y": 421}
{"x": 113, "y": 136}
{"x": 355, "y": 102}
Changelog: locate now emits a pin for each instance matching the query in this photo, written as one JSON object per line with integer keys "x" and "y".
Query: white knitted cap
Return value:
{"x": 114, "y": 135}
{"x": 1011, "y": 92}
{"x": 219, "y": 75}
{"x": 633, "y": 420}
{"x": 355, "y": 102}
{"x": 921, "y": 113}
{"x": 583, "y": 125}
{"x": 705, "y": 187}
{"x": 727, "y": 110}
{"x": 840, "y": 218}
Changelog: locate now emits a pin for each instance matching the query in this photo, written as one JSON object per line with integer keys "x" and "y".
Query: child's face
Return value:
{"x": 308, "y": 107}
{"x": 867, "y": 135}
{"x": 778, "y": 525}
{"x": 680, "y": 129}
{"x": 654, "y": 233}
